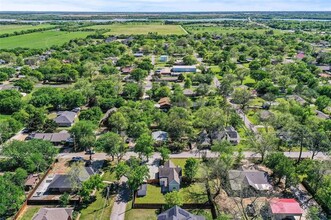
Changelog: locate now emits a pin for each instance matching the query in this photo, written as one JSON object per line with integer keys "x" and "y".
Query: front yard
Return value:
{"x": 99, "y": 209}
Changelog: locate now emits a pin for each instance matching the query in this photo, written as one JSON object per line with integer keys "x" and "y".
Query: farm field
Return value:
{"x": 40, "y": 40}
{"x": 9, "y": 29}
{"x": 128, "y": 29}
{"x": 195, "y": 29}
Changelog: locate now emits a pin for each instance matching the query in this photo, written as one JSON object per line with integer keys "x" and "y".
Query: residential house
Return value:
{"x": 160, "y": 136}
{"x": 169, "y": 177}
{"x": 189, "y": 93}
{"x": 246, "y": 180}
{"x": 142, "y": 190}
{"x": 31, "y": 181}
{"x": 163, "y": 71}
{"x": 65, "y": 119}
{"x": 62, "y": 183}
{"x": 55, "y": 138}
{"x": 164, "y": 103}
{"x": 164, "y": 58}
{"x": 285, "y": 209}
{"x": 127, "y": 70}
{"x": 110, "y": 39}
{"x": 321, "y": 115}
{"x": 184, "y": 69}
{"x": 138, "y": 54}
{"x": 205, "y": 140}
{"x": 54, "y": 214}
{"x": 177, "y": 213}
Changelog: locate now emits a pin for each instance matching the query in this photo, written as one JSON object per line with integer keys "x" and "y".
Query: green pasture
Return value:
{"x": 132, "y": 28}
{"x": 9, "y": 29}
{"x": 39, "y": 40}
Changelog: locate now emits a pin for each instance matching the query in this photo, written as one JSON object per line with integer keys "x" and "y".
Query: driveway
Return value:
{"x": 122, "y": 198}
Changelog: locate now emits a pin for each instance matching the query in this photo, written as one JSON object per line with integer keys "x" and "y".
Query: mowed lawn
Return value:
{"x": 9, "y": 29}
{"x": 40, "y": 40}
{"x": 29, "y": 212}
{"x": 131, "y": 29}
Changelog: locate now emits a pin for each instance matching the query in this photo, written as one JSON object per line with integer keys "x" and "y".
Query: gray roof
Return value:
{"x": 177, "y": 213}
{"x": 65, "y": 117}
{"x": 52, "y": 137}
{"x": 242, "y": 179}
{"x": 160, "y": 135}
{"x": 53, "y": 214}
{"x": 63, "y": 181}
{"x": 170, "y": 172}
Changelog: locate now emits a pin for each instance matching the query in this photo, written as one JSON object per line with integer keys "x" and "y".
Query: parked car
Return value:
{"x": 77, "y": 159}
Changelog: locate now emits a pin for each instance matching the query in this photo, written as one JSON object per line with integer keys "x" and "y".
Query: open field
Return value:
{"x": 39, "y": 40}
{"x": 9, "y": 29}
{"x": 223, "y": 30}
{"x": 128, "y": 29}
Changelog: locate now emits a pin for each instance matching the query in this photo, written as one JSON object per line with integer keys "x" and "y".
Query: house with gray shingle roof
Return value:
{"x": 177, "y": 213}
{"x": 170, "y": 177}
{"x": 241, "y": 180}
{"x": 160, "y": 136}
{"x": 65, "y": 119}
{"x": 54, "y": 138}
{"x": 54, "y": 214}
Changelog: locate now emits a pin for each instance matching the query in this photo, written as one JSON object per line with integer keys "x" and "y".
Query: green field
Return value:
{"x": 9, "y": 29}
{"x": 42, "y": 39}
{"x": 128, "y": 29}
{"x": 223, "y": 30}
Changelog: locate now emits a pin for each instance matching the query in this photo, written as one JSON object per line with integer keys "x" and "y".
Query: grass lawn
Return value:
{"x": 133, "y": 28}
{"x": 181, "y": 162}
{"x": 203, "y": 212}
{"x": 109, "y": 174}
{"x": 4, "y": 117}
{"x": 194, "y": 193}
{"x": 29, "y": 212}
{"x": 256, "y": 102}
{"x": 40, "y": 40}
{"x": 253, "y": 117}
{"x": 140, "y": 214}
{"x": 98, "y": 209}
{"x": 248, "y": 81}
{"x": 215, "y": 69}
{"x": 9, "y": 29}
{"x": 153, "y": 195}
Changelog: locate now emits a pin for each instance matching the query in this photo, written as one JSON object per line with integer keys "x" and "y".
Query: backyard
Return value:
{"x": 29, "y": 212}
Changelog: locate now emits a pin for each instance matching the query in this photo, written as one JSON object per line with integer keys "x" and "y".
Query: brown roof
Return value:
{"x": 164, "y": 101}
{"x": 128, "y": 69}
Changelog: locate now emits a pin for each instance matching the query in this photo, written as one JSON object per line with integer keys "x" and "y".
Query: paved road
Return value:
{"x": 122, "y": 198}
{"x": 194, "y": 154}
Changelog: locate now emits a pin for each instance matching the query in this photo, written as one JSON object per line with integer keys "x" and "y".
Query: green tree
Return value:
{"x": 241, "y": 74}
{"x": 25, "y": 84}
{"x": 112, "y": 144}
{"x": 139, "y": 74}
{"x": 173, "y": 198}
{"x": 117, "y": 122}
{"x": 191, "y": 168}
{"x": 144, "y": 145}
{"x": 64, "y": 199}
{"x": 189, "y": 60}
{"x": 164, "y": 154}
{"x": 81, "y": 130}
{"x": 241, "y": 97}
{"x": 322, "y": 102}
{"x": 263, "y": 143}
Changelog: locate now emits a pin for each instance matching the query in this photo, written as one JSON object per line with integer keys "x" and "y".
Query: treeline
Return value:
{"x": 26, "y": 32}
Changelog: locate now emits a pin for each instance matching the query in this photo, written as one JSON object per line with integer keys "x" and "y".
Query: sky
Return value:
{"x": 164, "y": 5}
